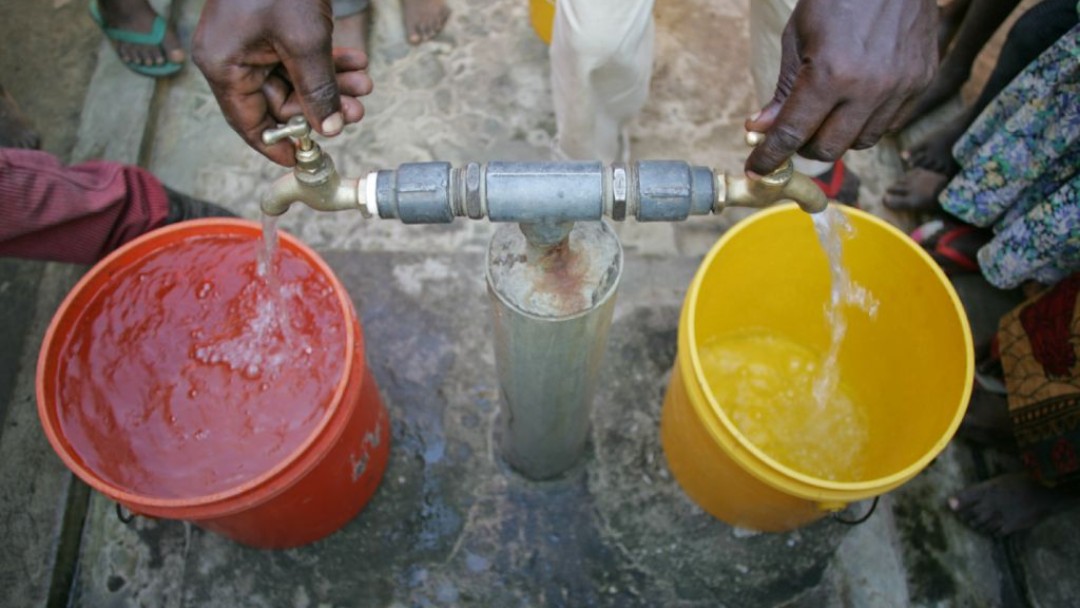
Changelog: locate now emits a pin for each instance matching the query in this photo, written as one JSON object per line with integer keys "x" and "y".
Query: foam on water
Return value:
{"x": 764, "y": 382}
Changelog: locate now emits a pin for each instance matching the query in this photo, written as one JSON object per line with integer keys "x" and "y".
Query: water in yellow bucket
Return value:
{"x": 785, "y": 398}
{"x": 766, "y": 385}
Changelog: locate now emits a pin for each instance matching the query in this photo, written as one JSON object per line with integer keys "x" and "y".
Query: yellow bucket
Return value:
{"x": 912, "y": 364}
{"x": 542, "y": 15}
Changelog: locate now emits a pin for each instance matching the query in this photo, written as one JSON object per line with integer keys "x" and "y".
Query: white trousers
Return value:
{"x": 601, "y": 61}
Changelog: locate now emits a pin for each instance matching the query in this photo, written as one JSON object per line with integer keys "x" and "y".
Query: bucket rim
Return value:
{"x": 275, "y": 478}
{"x": 774, "y": 473}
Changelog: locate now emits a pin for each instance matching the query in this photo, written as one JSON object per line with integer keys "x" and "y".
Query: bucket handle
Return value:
{"x": 854, "y": 522}
{"x": 125, "y": 515}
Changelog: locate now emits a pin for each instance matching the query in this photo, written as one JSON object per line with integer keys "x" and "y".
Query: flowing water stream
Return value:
{"x": 832, "y": 228}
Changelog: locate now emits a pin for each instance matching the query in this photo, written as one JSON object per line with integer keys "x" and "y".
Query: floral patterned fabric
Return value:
{"x": 1021, "y": 172}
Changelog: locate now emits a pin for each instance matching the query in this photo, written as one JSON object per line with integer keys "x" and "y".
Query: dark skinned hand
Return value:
{"x": 269, "y": 60}
{"x": 851, "y": 71}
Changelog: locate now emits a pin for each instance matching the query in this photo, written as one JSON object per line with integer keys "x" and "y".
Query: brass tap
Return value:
{"x": 783, "y": 184}
{"x": 314, "y": 181}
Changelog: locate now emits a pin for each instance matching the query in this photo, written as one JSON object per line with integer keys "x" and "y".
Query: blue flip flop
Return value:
{"x": 153, "y": 38}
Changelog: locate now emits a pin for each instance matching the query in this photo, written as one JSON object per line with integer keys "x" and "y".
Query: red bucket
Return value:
{"x": 151, "y": 388}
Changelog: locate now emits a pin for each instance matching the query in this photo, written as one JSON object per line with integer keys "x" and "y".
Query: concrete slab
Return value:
{"x": 38, "y": 491}
{"x": 1048, "y": 558}
{"x": 18, "y": 298}
{"x": 450, "y": 524}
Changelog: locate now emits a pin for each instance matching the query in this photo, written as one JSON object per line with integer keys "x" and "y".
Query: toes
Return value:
{"x": 131, "y": 54}
{"x": 176, "y": 56}
{"x": 171, "y": 49}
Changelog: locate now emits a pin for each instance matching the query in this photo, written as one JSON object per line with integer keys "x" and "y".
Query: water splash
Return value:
{"x": 832, "y": 228}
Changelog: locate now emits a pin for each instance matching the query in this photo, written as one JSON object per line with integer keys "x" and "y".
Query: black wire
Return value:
{"x": 855, "y": 522}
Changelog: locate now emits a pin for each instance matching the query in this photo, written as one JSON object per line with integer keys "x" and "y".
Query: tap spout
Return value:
{"x": 783, "y": 184}
{"x": 314, "y": 181}
{"x": 332, "y": 193}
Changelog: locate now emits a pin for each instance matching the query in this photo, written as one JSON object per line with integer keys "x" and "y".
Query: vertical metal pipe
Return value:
{"x": 552, "y": 309}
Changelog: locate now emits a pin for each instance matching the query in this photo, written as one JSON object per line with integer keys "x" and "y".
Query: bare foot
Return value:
{"x": 935, "y": 152}
{"x": 917, "y": 190}
{"x": 351, "y": 31}
{"x": 15, "y": 129}
{"x": 424, "y": 19}
{"x": 986, "y": 421}
{"x": 138, "y": 16}
{"x": 1008, "y": 504}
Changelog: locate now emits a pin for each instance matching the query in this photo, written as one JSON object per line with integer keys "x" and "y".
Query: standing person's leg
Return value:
{"x": 980, "y": 21}
{"x": 601, "y": 63}
{"x": 352, "y": 23}
{"x": 143, "y": 40}
{"x": 768, "y": 18}
{"x": 424, "y": 19}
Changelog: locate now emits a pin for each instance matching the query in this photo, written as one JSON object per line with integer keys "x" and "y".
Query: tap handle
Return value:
{"x": 783, "y": 183}
{"x": 782, "y": 174}
{"x": 754, "y": 138}
{"x": 296, "y": 129}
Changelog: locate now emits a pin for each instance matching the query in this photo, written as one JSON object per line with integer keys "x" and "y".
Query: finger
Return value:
{"x": 837, "y": 133}
{"x": 785, "y": 81}
{"x": 352, "y": 110}
{"x": 311, "y": 70}
{"x": 797, "y": 120}
{"x": 354, "y": 84}
{"x": 248, "y": 115}
{"x": 284, "y": 102}
{"x": 276, "y": 91}
{"x": 347, "y": 59}
{"x": 764, "y": 119}
{"x": 878, "y": 124}
{"x": 903, "y": 113}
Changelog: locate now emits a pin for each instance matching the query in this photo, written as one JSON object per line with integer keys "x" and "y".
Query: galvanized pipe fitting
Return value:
{"x": 649, "y": 191}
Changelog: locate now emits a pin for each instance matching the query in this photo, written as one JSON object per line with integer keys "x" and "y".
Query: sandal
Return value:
{"x": 839, "y": 184}
{"x": 154, "y": 38}
{"x": 952, "y": 245}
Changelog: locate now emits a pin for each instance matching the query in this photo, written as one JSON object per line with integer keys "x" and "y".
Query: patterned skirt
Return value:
{"x": 1039, "y": 343}
{"x": 1020, "y": 172}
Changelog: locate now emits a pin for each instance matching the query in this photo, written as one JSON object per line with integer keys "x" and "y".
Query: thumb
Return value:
{"x": 763, "y": 120}
{"x": 314, "y": 79}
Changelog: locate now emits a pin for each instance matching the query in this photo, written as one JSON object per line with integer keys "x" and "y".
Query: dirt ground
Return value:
{"x": 50, "y": 50}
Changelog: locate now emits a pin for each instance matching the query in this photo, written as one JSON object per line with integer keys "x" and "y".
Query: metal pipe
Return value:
{"x": 553, "y": 301}
{"x": 435, "y": 192}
